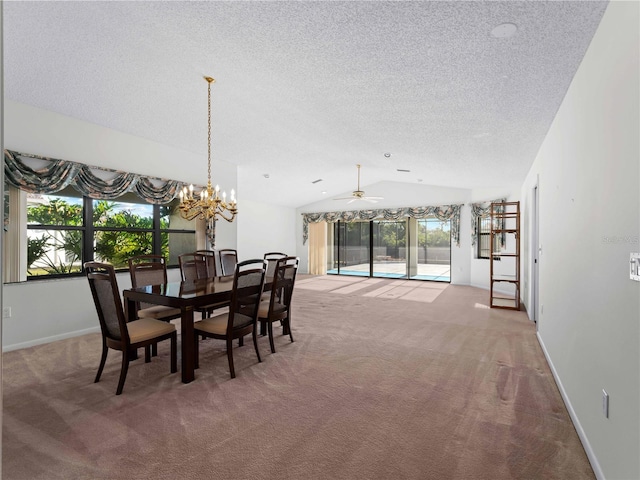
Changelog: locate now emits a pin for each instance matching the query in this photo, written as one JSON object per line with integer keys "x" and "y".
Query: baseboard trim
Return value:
{"x": 593, "y": 460}
{"x": 54, "y": 338}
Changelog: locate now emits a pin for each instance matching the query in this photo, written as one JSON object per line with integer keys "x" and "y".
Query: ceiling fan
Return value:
{"x": 359, "y": 194}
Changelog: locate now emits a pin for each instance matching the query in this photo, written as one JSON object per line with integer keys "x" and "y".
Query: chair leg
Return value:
{"x": 270, "y": 330}
{"x": 255, "y": 342}
{"x": 123, "y": 371}
{"x": 230, "y": 356}
{"x": 196, "y": 351}
{"x": 103, "y": 360}
{"x": 154, "y": 350}
{"x": 241, "y": 342}
{"x": 287, "y": 324}
{"x": 174, "y": 354}
{"x": 147, "y": 352}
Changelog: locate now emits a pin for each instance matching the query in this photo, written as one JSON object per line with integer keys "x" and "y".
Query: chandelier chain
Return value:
{"x": 209, "y": 134}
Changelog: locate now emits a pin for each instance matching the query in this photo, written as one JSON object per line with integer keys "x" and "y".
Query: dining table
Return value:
{"x": 187, "y": 296}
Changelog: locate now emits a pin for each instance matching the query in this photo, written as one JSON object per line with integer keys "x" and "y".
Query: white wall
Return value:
{"x": 47, "y": 310}
{"x": 588, "y": 171}
{"x": 265, "y": 228}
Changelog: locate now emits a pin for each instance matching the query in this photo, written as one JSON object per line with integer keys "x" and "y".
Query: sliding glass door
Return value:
{"x": 407, "y": 248}
{"x": 433, "y": 250}
{"x": 389, "y": 248}
{"x": 351, "y": 248}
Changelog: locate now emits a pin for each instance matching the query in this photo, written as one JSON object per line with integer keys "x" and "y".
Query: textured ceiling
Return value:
{"x": 305, "y": 90}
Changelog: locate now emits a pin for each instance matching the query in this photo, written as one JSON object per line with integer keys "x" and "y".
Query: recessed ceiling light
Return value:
{"x": 324, "y": 193}
{"x": 266, "y": 175}
{"x": 316, "y": 181}
{"x": 504, "y": 30}
{"x": 387, "y": 155}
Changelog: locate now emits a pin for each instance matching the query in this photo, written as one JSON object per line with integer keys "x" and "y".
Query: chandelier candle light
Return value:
{"x": 209, "y": 205}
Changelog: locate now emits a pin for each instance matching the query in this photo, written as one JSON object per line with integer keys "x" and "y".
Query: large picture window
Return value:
{"x": 65, "y": 229}
{"x": 60, "y": 214}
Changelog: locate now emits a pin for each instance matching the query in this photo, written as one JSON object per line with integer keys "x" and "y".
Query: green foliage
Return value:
{"x": 56, "y": 212}
{"x": 115, "y": 246}
{"x": 36, "y": 249}
{"x": 438, "y": 238}
{"x": 392, "y": 234}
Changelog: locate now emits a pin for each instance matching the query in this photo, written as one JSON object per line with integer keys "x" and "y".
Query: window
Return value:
{"x": 55, "y": 234}
{"x": 484, "y": 238}
{"x": 65, "y": 229}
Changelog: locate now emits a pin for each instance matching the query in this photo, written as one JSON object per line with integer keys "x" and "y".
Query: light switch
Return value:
{"x": 634, "y": 267}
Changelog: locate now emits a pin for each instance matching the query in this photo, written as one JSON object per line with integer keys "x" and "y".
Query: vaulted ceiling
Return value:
{"x": 307, "y": 90}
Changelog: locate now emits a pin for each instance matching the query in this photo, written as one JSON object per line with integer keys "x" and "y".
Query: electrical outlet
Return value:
{"x": 605, "y": 403}
{"x": 6, "y": 312}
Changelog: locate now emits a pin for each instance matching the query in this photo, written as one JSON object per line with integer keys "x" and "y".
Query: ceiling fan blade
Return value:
{"x": 374, "y": 198}
{"x": 344, "y": 198}
{"x": 369, "y": 199}
{"x": 352, "y": 200}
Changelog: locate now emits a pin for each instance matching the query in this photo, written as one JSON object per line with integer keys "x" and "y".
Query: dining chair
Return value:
{"x": 272, "y": 259}
{"x": 277, "y": 307}
{"x": 193, "y": 266}
{"x": 119, "y": 334}
{"x": 213, "y": 262}
{"x": 151, "y": 270}
{"x": 228, "y": 261}
{"x": 197, "y": 266}
{"x": 241, "y": 319}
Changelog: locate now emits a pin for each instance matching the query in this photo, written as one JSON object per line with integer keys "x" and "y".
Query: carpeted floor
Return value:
{"x": 386, "y": 380}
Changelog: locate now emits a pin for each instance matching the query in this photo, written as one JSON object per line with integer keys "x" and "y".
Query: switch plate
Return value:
{"x": 634, "y": 266}
{"x": 6, "y": 312}
{"x": 605, "y": 403}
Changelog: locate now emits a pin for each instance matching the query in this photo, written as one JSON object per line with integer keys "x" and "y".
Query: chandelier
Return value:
{"x": 208, "y": 205}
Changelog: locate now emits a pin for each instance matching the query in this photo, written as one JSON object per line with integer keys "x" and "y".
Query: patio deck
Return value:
{"x": 426, "y": 271}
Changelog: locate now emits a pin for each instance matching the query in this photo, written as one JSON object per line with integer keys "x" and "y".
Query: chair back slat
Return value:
{"x": 228, "y": 261}
{"x": 248, "y": 284}
{"x": 106, "y": 296}
{"x": 272, "y": 260}
{"x": 212, "y": 261}
{"x": 193, "y": 266}
{"x": 283, "y": 281}
{"x": 147, "y": 270}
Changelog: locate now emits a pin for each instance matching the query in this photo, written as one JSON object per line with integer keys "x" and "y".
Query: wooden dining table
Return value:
{"x": 186, "y": 296}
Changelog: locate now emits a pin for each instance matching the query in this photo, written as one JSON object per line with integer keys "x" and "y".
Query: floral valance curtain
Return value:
{"x": 441, "y": 212}
{"x": 59, "y": 174}
{"x": 483, "y": 210}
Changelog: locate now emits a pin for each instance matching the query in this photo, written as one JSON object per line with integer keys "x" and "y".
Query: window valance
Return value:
{"x": 441, "y": 212}
{"x": 483, "y": 210}
{"x": 59, "y": 174}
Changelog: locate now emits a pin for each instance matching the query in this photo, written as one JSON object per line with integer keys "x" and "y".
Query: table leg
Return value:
{"x": 131, "y": 313}
{"x": 186, "y": 332}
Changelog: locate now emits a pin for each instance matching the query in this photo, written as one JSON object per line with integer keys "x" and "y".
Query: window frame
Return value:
{"x": 89, "y": 230}
{"x": 483, "y": 227}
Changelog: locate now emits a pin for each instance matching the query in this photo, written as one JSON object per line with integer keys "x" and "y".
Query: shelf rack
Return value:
{"x": 505, "y": 262}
